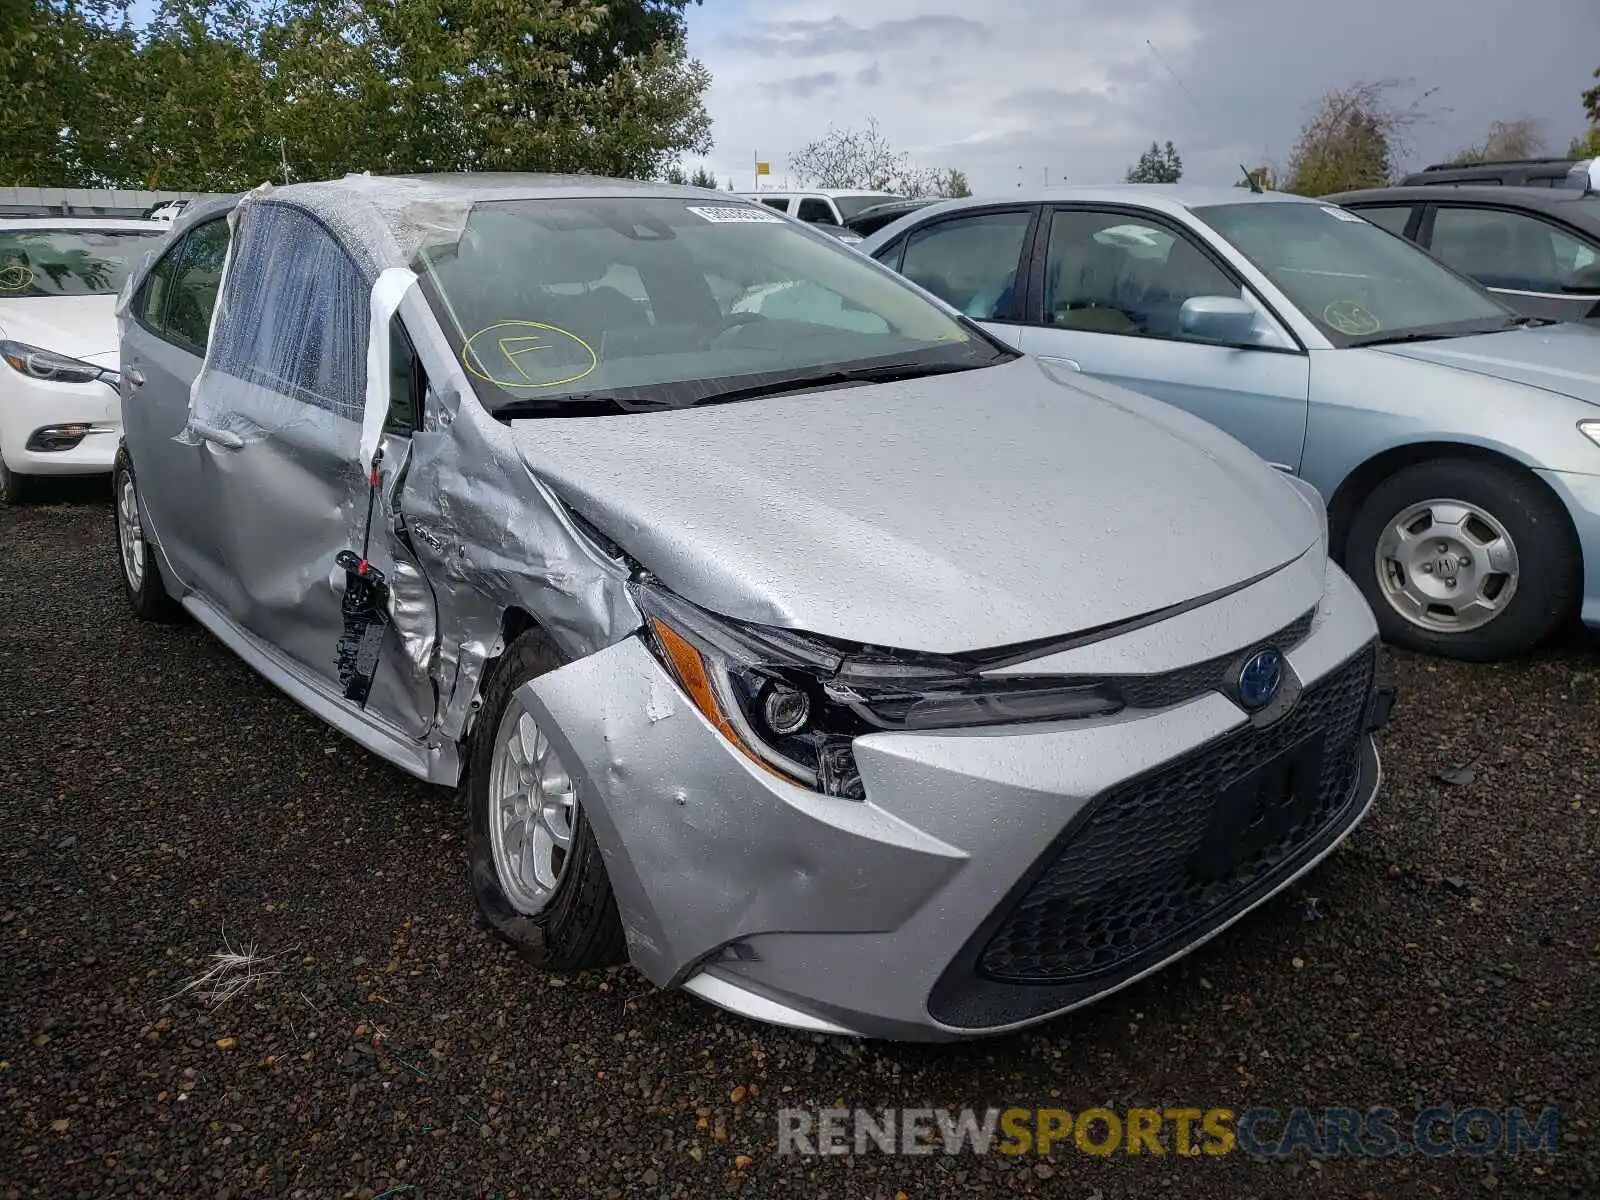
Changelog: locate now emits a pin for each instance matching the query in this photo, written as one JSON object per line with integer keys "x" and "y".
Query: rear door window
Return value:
{"x": 297, "y": 312}
{"x": 970, "y": 262}
{"x": 1509, "y": 250}
{"x": 813, "y": 209}
{"x": 192, "y": 294}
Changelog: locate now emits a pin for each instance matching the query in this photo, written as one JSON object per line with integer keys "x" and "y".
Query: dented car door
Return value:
{"x": 278, "y": 415}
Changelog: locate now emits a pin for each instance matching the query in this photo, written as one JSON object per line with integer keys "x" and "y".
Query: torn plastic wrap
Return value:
{"x": 292, "y": 400}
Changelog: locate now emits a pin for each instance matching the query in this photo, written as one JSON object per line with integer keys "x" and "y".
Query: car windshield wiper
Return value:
{"x": 576, "y": 404}
{"x": 1428, "y": 335}
{"x": 601, "y": 403}
{"x": 882, "y": 373}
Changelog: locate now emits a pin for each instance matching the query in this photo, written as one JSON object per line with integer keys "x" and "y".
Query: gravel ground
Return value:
{"x": 159, "y": 799}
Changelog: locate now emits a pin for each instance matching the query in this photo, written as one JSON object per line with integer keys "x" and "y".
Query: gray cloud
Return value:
{"x": 1054, "y": 104}
{"x": 1069, "y": 87}
{"x": 805, "y": 86}
{"x": 835, "y": 35}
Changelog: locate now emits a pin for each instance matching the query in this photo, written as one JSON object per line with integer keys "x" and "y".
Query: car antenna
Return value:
{"x": 1250, "y": 180}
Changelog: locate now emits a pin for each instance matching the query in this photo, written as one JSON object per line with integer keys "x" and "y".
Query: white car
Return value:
{"x": 820, "y": 206}
{"x": 59, "y": 278}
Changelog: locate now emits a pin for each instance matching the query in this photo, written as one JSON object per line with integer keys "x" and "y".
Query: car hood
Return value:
{"x": 953, "y": 512}
{"x": 1557, "y": 358}
{"x": 77, "y": 326}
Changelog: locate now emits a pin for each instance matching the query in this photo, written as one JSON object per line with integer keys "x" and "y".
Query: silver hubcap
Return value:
{"x": 533, "y": 805}
{"x": 130, "y": 533}
{"x": 1447, "y": 566}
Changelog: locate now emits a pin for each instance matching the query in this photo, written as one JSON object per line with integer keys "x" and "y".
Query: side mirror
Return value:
{"x": 1585, "y": 281}
{"x": 1217, "y": 318}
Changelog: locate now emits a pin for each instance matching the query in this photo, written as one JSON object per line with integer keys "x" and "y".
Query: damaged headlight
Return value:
{"x": 795, "y": 703}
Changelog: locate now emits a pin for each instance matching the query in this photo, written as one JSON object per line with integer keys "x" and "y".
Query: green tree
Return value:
{"x": 1591, "y": 100}
{"x": 1521, "y": 138}
{"x": 1159, "y": 164}
{"x": 1264, "y": 178}
{"x": 218, "y": 94}
{"x": 451, "y": 85}
{"x": 1351, "y": 140}
{"x": 1587, "y": 146}
{"x": 863, "y": 158}
{"x": 63, "y": 64}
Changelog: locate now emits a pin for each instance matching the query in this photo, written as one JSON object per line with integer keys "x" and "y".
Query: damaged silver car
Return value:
{"x": 787, "y": 634}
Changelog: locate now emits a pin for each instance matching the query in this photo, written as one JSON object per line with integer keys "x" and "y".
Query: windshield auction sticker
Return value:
{"x": 1350, "y": 318}
{"x": 527, "y": 354}
{"x": 734, "y": 214}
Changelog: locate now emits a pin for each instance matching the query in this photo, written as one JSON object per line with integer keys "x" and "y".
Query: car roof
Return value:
{"x": 103, "y": 223}
{"x": 831, "y": 193}
{"x": 1171, "y": 198}
{"x": 1540, "y": 198}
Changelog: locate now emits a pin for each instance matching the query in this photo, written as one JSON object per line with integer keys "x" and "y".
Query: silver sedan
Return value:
{"x": 1457, "y": 444}
{"x": 786, "y": 634}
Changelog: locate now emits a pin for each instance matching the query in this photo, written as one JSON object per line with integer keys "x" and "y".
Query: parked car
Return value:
{"x": 503, "y": 478}
{"x": 1534, "y": 247}
{"x": 869, "y": 220}
{"x": 59, "y": 278}
{"x": 1518, "y": 172}
{"x": 848, "y": 236}
{"x": 824, "y": 206}
{"x": 1456, "y": 442}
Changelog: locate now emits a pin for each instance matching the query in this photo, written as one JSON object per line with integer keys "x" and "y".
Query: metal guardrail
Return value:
{"x": 84, "y": 202}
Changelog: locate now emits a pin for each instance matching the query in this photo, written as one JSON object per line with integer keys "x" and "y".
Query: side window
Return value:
{"x": 813, "y": 209}
{"x": 1393, "y": 217}
{"x": 407, "y": 382}
{"x": 193, "y": 291}
{"x": 781, "y": 203}
{"x": 969, "y": 262}
{"x": 150, "y": 307}
{"x": 1113, "y": 273}
{"x": 295, "y": 312}
{"x": 1507, "y": 249}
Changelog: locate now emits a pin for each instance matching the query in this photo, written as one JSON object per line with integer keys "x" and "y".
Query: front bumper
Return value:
{"x": 1581, "y": 495}
{"x": 28, "y": 406}
{"x": 874, "y": 918}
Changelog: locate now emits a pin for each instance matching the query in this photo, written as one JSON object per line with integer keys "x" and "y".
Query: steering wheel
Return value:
{"x": 730, "y": 322}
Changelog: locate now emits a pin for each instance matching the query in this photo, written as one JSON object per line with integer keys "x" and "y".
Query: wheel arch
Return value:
{"x": 1361, "y": 480}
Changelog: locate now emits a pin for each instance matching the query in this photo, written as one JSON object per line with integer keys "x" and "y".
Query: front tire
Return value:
{"x": 14, "y": 488}
{"x": 141, "y": 575}
{"x": 1465, "y": 559}
{"x": 537, "y": 874}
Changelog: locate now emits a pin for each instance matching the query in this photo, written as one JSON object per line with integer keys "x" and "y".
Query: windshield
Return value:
{"x": 849, "y": 206}
{"x": 671, "y": 302}
{"x": 69, "y": 262}
{"x": 1358, "y": 283}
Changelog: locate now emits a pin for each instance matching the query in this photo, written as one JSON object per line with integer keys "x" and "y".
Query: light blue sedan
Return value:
{"x": 1456, "y": 443}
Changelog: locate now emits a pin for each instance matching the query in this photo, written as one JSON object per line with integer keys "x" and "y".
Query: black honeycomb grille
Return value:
{"x": 1122, "y": 884}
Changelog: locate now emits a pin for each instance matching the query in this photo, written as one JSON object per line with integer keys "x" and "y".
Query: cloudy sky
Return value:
{"x": 1017, "y": 89}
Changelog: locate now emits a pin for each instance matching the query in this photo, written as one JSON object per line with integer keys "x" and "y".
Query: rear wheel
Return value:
{"x": 1464, "y": 558}
{"x": 141, "y": 575}
{"x": 537, "y": 874}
